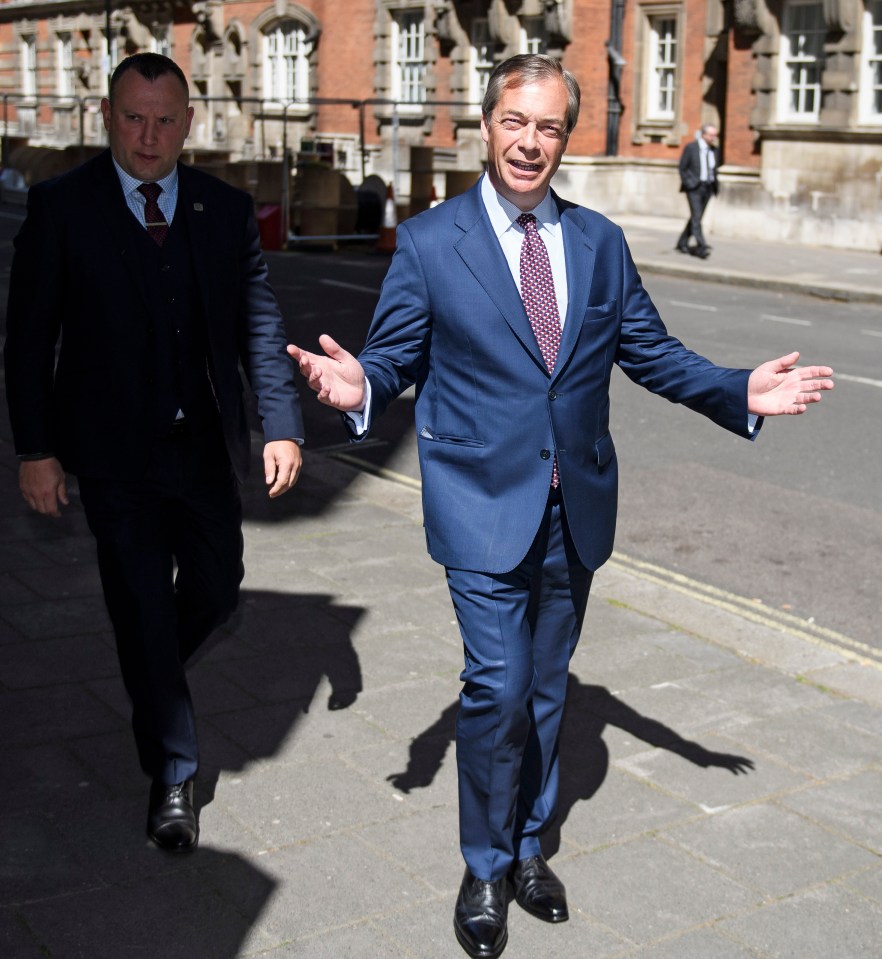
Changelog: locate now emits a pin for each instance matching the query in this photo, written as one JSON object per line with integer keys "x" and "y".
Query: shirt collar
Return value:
{"x": 503, "y": 213}
{"x": 130, "y": 184}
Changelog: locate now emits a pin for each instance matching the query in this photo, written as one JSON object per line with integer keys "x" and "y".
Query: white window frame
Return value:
{"x": 286, "y": 62}
{"x": 870, "y": 88}
{"x": 481, "y": 60}
{"x": 160, "y": 40}
{"x": 662, "y": 68}
{"x": 117, "y": 53}
{"x": 533, "y": 36}
{"x": 408, "y": 61}
{"x": 801, "y": 64}
{"x": 28, "y": 51}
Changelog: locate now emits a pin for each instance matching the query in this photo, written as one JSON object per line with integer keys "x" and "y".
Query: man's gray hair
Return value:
{"x": 527, "y": 68}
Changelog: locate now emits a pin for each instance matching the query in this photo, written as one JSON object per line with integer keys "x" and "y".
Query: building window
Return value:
{"x": 29, "y": 66}
{"x": 871, "y": 74}
{"x": 408, "y": 57}
{"x": 661, "y": 76}
{"x": 286, "y": 63}
{"x": 534, "y": 39}
{"x": 64, "y": 84}
{"x": 160, "y": 41}
{"x": 802, "y": 48}
{"x": 481, "y": 59}
{"x": 117, "y": 53}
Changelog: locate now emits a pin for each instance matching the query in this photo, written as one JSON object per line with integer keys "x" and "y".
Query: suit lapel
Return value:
{"x": 115, "y": 218}
{"x": 580, "y": 261}
{"x": 482, "y": 254}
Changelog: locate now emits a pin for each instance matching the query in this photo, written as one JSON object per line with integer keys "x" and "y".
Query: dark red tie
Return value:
{"x": 540, "y": 302}
{"x": 157, "y": 225}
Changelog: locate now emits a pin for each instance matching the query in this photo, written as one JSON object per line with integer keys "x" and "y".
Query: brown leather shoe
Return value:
{"x": 539, "y": 891}
{"x": 480, "y": 919}
{"x": 171, "y": 818}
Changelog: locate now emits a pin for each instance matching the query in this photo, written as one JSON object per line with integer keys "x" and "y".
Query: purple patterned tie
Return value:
{"x": 540, "y": 302}
{"x": 157, "y": 225}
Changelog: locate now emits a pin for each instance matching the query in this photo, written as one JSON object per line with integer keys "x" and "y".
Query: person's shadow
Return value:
{"x": 283, "y": 670}
{"x": 584, "y": 756}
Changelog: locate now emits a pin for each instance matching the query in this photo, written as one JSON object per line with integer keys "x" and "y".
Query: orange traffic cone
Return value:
{"x": 386, "y": 243}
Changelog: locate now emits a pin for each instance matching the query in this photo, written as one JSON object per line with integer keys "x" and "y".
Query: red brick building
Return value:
{"x": 795, "y": 86}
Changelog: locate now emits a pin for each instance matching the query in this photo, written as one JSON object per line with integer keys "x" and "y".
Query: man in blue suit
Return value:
{"x": 151, "y": 274}
{"x": 518, "y": 466}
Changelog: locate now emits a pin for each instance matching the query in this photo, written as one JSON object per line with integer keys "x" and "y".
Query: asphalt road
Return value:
{"x": 792, "y": 522}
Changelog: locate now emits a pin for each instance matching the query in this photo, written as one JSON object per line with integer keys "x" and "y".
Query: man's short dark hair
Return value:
{"x": 527, "y": 68}
{"x": 150, "y": 66}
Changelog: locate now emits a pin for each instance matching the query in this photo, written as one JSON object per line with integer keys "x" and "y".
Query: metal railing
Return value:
{"x": 264, "y": 135}
{"x": 27, "y": 109}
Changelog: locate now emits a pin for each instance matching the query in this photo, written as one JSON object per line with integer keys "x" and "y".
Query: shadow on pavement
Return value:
{"x": 584, "y": 757}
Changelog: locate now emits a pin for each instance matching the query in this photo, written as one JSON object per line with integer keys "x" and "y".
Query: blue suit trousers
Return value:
{"x": 519, "y": 631}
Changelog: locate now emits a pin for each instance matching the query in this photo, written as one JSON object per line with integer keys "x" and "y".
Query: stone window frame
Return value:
{"x": 867, "y": 115}
{"x": 281, "y": 12}
{"x": 396, "y": 84}
{"x": 28, "y": 46}
{"x": 481, "y": 65}
{"x": 648, "y": 127}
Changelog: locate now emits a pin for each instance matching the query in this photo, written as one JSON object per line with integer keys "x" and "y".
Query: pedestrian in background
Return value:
{"x": 699, "y": 163}
{"x": 150, "y": 273}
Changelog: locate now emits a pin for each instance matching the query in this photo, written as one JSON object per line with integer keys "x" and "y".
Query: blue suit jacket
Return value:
{"x": 488, "y": 415}
{"x": 76, "y": 275}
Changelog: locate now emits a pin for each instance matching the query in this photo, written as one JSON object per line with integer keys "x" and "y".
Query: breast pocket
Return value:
{"x": 603, "y": 312}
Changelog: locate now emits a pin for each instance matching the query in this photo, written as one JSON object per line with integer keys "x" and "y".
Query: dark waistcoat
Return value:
{"x": 179, "y": 373}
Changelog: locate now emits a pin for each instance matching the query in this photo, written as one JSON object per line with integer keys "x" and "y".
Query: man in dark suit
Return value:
{"x": 699, "y": 163}
{"x": 151, "y": 274}
{"x": 518, "y": 465}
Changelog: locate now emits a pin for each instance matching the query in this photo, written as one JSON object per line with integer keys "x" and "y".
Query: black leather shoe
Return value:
{"x": 702, "y": 253}
{"x": 539, "y": 891}
{"x": 682, "y": 248}
{"x": 171, "y": 819}
{"x": 480, "y": 919}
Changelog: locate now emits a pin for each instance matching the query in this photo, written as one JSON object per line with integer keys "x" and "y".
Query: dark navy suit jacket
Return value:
{"x": 489, "y": 418}
{"x": 76, "y": 275}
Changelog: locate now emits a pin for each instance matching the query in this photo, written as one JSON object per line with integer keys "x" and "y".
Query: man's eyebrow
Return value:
{"x": 523, "y": 116}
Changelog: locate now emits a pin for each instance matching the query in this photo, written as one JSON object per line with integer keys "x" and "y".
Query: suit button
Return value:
{"x": 545, "y": 454}
{"x": 165, "y": 267}
{"x": 552, "y": 395}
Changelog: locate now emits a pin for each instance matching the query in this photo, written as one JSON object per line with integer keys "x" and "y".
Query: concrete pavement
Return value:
{"x": 721, "y": 771}
{"x": 852, "y": 275}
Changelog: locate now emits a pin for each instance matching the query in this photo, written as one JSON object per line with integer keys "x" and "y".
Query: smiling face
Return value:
{"x": 526, "y": 136}
{"x": 147, "y": 124}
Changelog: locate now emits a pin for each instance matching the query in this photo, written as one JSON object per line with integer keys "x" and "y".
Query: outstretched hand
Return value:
{"x": 337, "y": 377}
{"x": 780, "y": 387}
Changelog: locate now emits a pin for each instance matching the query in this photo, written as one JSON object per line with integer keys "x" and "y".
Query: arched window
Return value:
{"x": 286, "y": 62}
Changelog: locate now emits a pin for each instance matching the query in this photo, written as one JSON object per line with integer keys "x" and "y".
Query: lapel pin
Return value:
{"x": 197, "y": 207}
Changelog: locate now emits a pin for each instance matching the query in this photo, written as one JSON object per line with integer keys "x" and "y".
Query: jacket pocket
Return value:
{"x": 604, "y": 450}
{"x": 427, "y": 434}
